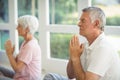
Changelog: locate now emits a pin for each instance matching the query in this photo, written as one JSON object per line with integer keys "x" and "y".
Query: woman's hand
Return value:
{"x": 9, "y": 48}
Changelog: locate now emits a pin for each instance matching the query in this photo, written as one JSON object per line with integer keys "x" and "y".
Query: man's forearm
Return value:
{"x": 78, "y": 70}
{"x": 70, "y": 71}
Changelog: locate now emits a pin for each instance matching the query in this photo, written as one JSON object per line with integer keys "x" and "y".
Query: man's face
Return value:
{"x": 85, "y": 24}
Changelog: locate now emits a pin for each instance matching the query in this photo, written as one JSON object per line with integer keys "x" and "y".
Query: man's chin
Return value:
{"x": 81, "y": 34}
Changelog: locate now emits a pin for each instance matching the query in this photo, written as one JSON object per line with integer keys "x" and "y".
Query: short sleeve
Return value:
{"x": 100, "y": 61}
{"x": 25, "y": 54}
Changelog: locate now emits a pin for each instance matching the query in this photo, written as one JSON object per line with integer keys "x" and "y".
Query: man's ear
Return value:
{"x": 96, "y": 23}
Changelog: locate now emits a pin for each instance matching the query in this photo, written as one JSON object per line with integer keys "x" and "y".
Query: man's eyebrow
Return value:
{"x": 82, "y": 19}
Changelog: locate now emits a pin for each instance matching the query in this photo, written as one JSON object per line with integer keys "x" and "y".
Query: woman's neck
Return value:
{"x": 28, "y": 37}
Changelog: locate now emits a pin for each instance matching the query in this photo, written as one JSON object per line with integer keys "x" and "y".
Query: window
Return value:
{"x": 27, "y": 7}
{"x": 4, "y": 20}
{"x": 58, "y": 25}
{"x": 4, "y": 35}
{"x": 4, "y": 11}
{"x": 59, "y": 45}
{"x": 63, "y": 11}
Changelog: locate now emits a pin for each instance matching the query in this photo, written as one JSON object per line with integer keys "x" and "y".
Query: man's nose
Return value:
{"x": 17, "y": 28}
{"x": 79, "y": 23}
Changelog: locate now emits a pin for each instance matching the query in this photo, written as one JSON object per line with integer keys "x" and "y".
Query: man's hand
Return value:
{"x": 75, "y": 48}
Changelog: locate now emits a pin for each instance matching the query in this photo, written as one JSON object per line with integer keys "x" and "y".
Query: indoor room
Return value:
{"x": 58, "y": 22}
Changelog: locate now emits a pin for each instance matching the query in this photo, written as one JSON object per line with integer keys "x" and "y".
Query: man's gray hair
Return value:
{"x": 96, "y": 14}
{"x": 29, "y": 21}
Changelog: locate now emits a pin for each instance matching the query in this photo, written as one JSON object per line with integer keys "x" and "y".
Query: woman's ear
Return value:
{"x": 27, "y": 29}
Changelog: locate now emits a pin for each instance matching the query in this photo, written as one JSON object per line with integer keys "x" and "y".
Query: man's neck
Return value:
{"x": 93, "y": 37}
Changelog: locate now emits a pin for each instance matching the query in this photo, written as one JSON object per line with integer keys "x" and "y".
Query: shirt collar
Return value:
{"x": 97, "y": 40}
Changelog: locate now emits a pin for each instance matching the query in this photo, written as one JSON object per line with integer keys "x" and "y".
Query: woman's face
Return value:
{"x": 21, "y": 30}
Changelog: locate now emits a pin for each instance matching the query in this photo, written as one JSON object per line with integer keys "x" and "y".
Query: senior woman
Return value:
{"x": 27, "y": 64}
